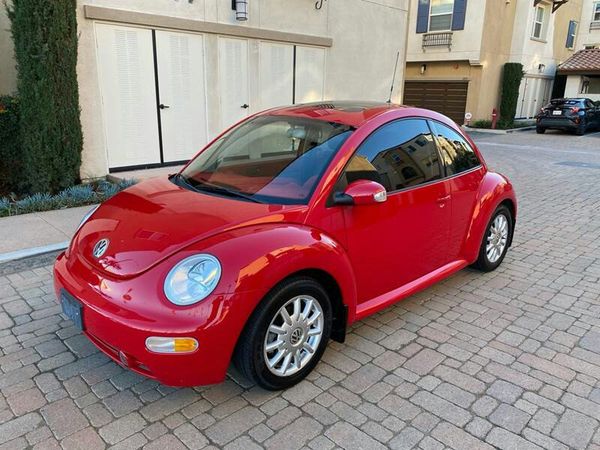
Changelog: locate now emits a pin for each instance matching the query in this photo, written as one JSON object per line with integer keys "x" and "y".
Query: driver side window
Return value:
{"x": 398, "y": 155}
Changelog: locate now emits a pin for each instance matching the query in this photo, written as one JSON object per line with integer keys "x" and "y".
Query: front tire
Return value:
{"x": 540, "y": 130}
{"x": 495, "y": 240}
{"x": 286, "y": 335}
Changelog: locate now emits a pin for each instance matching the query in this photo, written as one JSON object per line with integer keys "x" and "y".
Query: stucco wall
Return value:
{"x": 367, "y": 34}
{"x": 8, "y": 72}
{"x": 550, "y": 50}
{"x": 585, "y": 36}
{"x": 572, "y": 88}
{"x": 466, "y": 44}
{"x": 478, "y": 54}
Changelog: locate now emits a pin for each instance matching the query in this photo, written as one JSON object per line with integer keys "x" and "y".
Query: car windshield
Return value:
{"x": 268, "y": 159}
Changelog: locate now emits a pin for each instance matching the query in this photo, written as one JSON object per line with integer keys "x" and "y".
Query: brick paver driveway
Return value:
{"x": 509, "y": 359}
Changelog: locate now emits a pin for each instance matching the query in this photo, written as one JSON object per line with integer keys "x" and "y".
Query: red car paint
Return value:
{"x": 437, "y": 230}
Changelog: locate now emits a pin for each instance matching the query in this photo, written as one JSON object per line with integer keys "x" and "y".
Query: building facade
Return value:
{"x": 159, "y": 79}
{"x": 457, "y": 50}
{"x": 588, "y": 35}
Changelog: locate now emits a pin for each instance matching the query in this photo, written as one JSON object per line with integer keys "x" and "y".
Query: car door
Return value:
{"x": 395, "y": 242}
{"x": 465, "y": 174}
{"x": 592, "y": 112}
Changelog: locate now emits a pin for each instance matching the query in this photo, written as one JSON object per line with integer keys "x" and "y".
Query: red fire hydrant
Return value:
{"x": 494, "y": 118}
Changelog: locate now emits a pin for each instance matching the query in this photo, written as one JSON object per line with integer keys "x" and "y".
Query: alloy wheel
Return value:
{"x": 293, "y": 336}
{"x": 497, "y": 238}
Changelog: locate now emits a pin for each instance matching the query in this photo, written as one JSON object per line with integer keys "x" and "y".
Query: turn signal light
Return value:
{"x": 171, "y": 345}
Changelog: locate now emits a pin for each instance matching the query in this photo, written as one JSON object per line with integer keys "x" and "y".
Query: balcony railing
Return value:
{"x": 594, "y": 26}
{"x": 437, "y": 40}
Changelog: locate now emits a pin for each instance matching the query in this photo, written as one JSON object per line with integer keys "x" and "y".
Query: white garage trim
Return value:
{"x": 178, "y": 23}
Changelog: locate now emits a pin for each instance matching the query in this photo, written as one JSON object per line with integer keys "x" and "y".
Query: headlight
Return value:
{"x": 192, "y": 279}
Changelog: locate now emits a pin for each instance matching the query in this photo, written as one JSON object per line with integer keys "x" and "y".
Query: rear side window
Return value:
{"x": 398, "y": 155}
{"x": 457, "y": 154}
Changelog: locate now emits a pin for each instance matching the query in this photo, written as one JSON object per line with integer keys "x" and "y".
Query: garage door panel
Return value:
{"x": 180, "y": 62}
{"x": 446, "y": 97}
{"x": 276, "y": 79}
{"x": 127, "y": 87}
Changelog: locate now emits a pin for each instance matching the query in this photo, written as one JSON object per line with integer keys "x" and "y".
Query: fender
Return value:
{"x": 261, "y": 256}
{"x": 493, "y": 190}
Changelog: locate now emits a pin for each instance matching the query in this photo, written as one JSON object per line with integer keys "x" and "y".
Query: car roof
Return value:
{"x": 352, "y": 113}
{"x": 568, "y": 99}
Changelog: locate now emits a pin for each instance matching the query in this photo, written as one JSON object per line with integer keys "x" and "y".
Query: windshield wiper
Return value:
{"x": 204, "y": 186}
{"x": 209, "y": 187}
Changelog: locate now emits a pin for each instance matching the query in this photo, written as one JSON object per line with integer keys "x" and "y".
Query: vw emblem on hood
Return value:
{"x": 100, "y": 248}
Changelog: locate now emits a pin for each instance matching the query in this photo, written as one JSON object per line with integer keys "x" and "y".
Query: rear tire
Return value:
{"x": 494, "y": 244}
{"x": 299, "y": 312}
{"x": 581, "y": 129}
{"x": 540, "y": 130}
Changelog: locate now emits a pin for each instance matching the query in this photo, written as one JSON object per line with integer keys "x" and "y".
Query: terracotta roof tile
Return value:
{"x": 582, "y": 61}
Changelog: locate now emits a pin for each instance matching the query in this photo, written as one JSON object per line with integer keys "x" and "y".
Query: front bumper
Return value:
{"x": 118, "y": 320}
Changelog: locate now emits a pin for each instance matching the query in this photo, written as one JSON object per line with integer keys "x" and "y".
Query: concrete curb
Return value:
{"x": 490, "y": 131}
{"x": 35, "y": 251}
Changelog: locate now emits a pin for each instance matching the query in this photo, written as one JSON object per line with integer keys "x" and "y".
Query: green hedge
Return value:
{"x": 511, "y": 81}
{"x": 45, "y": 39}
{"x": 10, "y": 149}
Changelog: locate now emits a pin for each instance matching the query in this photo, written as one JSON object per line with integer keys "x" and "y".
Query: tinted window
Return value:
{"x": 398, "y": 155}
{"x": 565, "y": 102}
{"x": 457, "y": 154}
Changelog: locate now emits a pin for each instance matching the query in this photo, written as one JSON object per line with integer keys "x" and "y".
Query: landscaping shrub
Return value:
{"x": 511, "y": 81}
{"x": 45, "y": 38}
{"x": 482, "y": 124}
{"x": 10, "y": 150}
{"x": 79, "y": 195}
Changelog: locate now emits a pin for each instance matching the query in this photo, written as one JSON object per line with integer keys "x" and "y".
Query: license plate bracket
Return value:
{"x": 72, "y": 308}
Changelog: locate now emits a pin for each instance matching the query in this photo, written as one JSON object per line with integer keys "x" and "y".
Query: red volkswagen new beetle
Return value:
{"x": 283, "y": 231}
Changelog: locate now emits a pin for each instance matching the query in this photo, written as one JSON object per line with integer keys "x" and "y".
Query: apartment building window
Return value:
{"x": 440, "y": 15}
{"x": 571, "y": 33}
{"x": 596, "y": 14}
{"x": 539, "y": 22}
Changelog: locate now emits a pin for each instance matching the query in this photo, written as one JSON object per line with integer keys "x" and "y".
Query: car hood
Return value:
{"x": 155, "y": 219}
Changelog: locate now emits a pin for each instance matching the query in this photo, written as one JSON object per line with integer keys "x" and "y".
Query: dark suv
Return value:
{"x": 578, "y": 114}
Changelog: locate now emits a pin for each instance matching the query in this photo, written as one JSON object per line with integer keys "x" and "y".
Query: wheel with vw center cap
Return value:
{"x": 286, "y": 336}
{"x": 495, "y": 240}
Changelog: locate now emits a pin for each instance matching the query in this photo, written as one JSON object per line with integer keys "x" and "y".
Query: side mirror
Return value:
{"x": 361, "y": 192}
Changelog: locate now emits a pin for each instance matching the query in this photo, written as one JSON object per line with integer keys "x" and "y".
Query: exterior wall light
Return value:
{"x": 319, "y": 4}
{"x": 423, "y": 69}
{"x": 541, "y": 68}
{"x": 241, "y": 9}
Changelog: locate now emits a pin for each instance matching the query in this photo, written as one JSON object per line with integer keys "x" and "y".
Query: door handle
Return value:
{"x": 245, "y": 106}
{"x": 161, "y": 106}
{"x": 443, "y": 199}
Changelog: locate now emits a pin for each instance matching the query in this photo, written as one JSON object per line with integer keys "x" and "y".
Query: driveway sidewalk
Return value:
{"x": 28, "y": 234}
{"x": 31, "y": 234}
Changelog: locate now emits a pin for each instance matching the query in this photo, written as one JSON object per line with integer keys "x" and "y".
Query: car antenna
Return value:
{"x": 394, "y": 77}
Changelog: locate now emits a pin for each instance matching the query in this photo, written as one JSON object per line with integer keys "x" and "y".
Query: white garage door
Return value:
{"x": 127, "y": 84}
{"x": 233, "y": 80}
{"x": 182, "y": 93}
{"x": 310, "y": 74}
{"x": 275, "y": 75}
